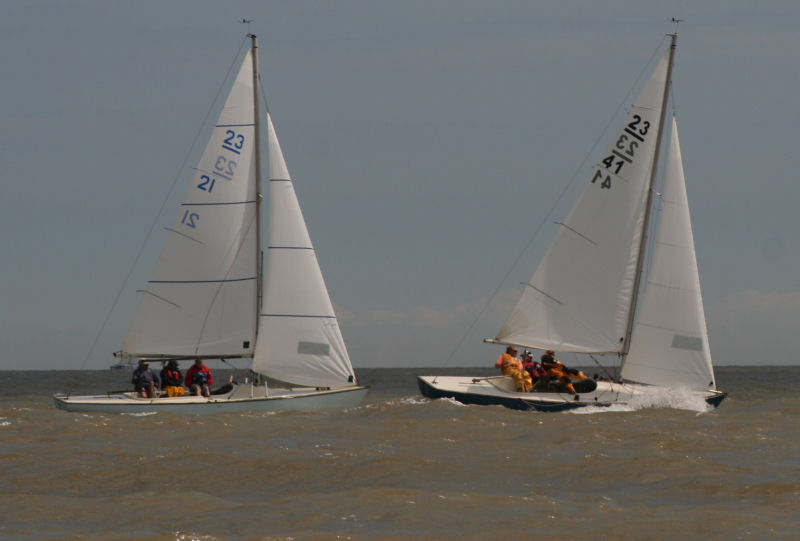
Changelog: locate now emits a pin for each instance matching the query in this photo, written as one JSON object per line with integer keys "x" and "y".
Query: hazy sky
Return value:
{"x": 427, "y": 140}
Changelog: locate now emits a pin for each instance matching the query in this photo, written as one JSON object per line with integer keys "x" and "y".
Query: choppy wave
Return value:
{"x": 404, "y": 467}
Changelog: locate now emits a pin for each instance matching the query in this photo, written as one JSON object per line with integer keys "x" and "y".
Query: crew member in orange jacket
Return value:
{"x": 511, "y": 366}
{"x": 556, "y": 371}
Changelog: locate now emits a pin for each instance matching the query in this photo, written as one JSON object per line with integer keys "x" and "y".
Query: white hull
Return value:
{"x": 499, "y": 390}
{"x": 242, "y": 398}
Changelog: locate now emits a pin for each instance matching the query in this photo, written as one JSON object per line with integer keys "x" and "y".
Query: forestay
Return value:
{"x": 580, "y": 296}
{"x": 299, "y": 340}
{"x": 670, "y": 342}
{"x": 201, "y": 297}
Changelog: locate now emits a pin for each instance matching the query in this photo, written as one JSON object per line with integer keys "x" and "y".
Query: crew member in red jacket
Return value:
{"x": 198, "y": 379}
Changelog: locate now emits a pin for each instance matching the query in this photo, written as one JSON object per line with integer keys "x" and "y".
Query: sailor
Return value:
{"x": 171, "y": 380}
{"x": 532, "y": 367}
{"x": 560, "y": 377}
{"x": 198, "y": 379}
{"x": 511, "y": 366}
{"x": 556, "y": 372}
{"x": 145, "y": 381}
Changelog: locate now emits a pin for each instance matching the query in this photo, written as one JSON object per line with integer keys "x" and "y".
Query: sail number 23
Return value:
{"x": 623, "y": 151}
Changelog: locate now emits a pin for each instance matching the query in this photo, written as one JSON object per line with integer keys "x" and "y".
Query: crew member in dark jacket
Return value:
{"x": 144, "y": 380}
{"x": 172, "y": 380}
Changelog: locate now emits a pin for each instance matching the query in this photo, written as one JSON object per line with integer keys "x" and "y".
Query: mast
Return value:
{"x": 650, "y": 190}
{"x": 259, "y": 198}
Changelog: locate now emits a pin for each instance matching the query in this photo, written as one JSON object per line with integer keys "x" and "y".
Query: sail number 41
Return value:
{"x": 606, "y": 181}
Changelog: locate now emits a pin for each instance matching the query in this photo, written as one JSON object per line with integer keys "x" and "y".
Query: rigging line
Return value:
{"x": 556, "y": 203}
{"x": 603, "y": 368}
{"x": 233, "y": 367}
{"x": 160, "y": 210}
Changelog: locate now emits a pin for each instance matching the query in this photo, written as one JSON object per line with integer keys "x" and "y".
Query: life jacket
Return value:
{"x": 172, "y": 377}
{"x": 200, "y": 378}
{"x": 534, "y": 369}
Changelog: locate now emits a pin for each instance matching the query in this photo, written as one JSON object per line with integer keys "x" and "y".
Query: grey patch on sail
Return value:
{"x": 692, "y": 343}
{"x": 313, "y": 348}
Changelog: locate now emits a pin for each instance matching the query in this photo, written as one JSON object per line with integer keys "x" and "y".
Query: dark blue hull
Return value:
{"x": 521, "y": 404}
{"x": 524, "y": 404}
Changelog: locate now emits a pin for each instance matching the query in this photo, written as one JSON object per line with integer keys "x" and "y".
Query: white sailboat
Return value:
{"x": 202, "y": 298}
{"x": 583, "y": 297}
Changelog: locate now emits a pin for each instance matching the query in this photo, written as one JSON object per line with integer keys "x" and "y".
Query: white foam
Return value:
{"x": 142, "y": 414}
{"x": 679, "y": 398}
{"x": 454, "y": 401}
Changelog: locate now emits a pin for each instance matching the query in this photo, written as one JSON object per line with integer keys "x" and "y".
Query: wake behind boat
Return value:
{"x": 583, "y": 297}
{"x": 203, "y": 297}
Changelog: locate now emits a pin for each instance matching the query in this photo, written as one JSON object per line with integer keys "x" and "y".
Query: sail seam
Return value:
{"x": 234, "y": 125}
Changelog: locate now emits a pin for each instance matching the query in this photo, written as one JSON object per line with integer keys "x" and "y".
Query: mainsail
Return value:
{"x": 201, "y": 297}
{"x": 299, "y": 340}
{"x": 579, "y": 299}
{"x": 670, "y": 341}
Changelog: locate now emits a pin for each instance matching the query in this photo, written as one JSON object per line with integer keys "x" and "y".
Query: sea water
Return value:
{"x": 403, "y": 467}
